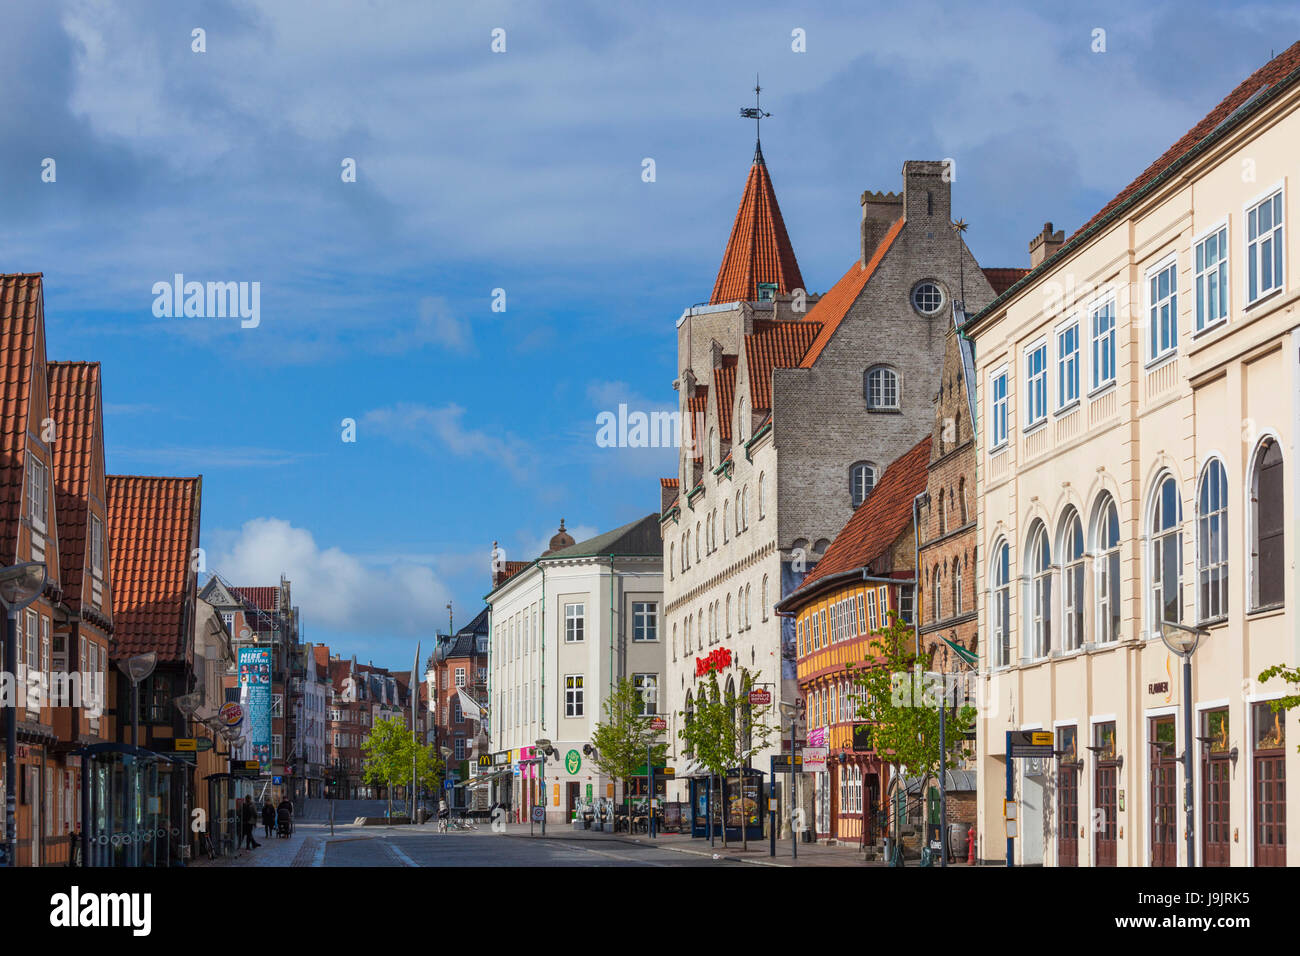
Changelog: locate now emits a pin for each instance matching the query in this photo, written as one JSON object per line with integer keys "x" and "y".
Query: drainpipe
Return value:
{"x": 611, "y": 623}
{"x": 916, "y": 566}
{"x": 541, "y": 707}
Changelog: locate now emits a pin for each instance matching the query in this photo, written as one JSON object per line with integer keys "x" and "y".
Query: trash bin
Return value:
{"x": 421, "y": 815}
{"x": 958, "y": 840}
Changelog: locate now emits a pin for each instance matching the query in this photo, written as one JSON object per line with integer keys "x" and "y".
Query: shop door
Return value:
{"x": 1270, "y": 808}
{"x": 571, "y": 797}
{"x": 1106, "y": 846}
{"x": 1216, "y": 804}
{"x": 871, "y": 805}
{"x": 1162, "y": 798}
{"x": 1067, "y": 832}
{"x": 1031, "y": 811}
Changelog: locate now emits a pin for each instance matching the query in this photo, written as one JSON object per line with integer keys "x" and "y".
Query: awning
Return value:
{"x": 969, "y": 657}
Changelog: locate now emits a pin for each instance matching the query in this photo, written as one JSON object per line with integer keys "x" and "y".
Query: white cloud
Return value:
{"x": 337, "y": 590}
{"x": 441, "y": 429}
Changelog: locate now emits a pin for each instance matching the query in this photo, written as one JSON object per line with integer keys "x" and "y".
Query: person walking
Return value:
{"x": 268, "y": 818}
{"x": 249, "y": 819}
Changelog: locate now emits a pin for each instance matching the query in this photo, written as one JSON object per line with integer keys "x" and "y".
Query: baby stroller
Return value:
{"x": 284, "y": 822}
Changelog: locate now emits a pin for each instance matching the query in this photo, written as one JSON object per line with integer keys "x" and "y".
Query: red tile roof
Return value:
{"x": 514, "y": 567}
{"x": 668, "y": 483}
{"x": 266, "y": 598}
{"x": 1003, "y": 279}
{"x": 76, "y": 410}
{"x": 21, "y": 316}
{"x": 759, "y": 249}
{"x": 321, "y": 654}
{"x": 724, "y": 381}
{"x": 153, "y": 527}
{"x": 1275, "y": 69}
{"x": 878, "y": 521}
{"x": 832, "y": 307}
{"x": 775, "y": 345}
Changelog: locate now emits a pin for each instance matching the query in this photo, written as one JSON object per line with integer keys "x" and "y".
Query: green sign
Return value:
{"x": 573, "y": 761}
{"x": 589, "y": 793}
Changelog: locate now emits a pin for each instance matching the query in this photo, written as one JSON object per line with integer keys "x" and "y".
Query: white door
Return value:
{"x": 1031, "y": 810}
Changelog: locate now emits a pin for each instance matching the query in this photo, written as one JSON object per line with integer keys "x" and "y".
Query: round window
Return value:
{"x": 927, "y": 298}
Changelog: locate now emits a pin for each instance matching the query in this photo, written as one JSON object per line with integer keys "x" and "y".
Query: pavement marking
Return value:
{"x": 400, "y": 854}
{"x": 615, "y": 856}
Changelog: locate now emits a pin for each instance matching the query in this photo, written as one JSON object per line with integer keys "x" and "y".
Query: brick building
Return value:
{"x": 460, "y": 663}
{"x": 794, "y": 414}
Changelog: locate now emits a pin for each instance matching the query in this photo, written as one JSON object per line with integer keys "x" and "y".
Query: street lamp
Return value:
{"x": 1183, "y": 641}
{"x": 187, "y": 704}
{"x": 795, "y": 709}
{"x": 137, "y": 668}
{"x": 543, "y": 747}
{"x": 20, "y": 585}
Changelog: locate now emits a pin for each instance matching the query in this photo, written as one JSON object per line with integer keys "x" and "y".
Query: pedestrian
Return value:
{"x": 249, "y": 821}
{"x": 268, "y": 817}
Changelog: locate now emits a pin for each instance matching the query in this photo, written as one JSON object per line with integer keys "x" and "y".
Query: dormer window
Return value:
{"x": 766, "y": 291}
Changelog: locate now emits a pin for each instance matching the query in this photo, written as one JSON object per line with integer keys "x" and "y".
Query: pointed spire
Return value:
{"x": 759, "y": 249}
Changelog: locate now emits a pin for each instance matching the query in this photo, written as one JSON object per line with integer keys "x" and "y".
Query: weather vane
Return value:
{"x": 756, "y": 113}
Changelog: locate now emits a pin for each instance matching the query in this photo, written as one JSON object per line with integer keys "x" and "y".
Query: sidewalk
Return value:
{"x": 297, "y": 850}
{"x": 810, "y": 854}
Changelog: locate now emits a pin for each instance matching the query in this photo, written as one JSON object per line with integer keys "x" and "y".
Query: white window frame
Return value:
{"x": 1035, "y": 385}
{"x": 1095, "y": 308}
{"x": 38, "y": 498}
{"x": 1158, "y": 351}
{"x": 1069, "y": 366}
{"x": 1208, "y": 564}
{"x": 1000, "y": 606}
{"x": 881, "y": 404}
{"x": 642, "y": 683}
{"x": 1102, "y": 571}
{"x": 1073, "y": 570}
{"x": 575, "y": 622}
{"x": 1276, "y": 238}
{"x": 1155, "y": 538}
{"x": 574, "y": 696}
{"x": 1200, "y": 277}
{"x": 999, "y": 433}
{"x": 645, "y": 620}
{"x": 864, "y": 468}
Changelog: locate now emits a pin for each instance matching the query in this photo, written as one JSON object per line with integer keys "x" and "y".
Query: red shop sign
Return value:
{"x": 715, "y": 661}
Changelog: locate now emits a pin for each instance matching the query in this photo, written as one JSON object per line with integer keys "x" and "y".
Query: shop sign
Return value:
{"x": 715, "y": 661}
{"x": 814, "y": 759}
{"x": 781, "y": 763}
{"x": 573, "y": 761}
{"x": 231, "y": 714}
{"x": 186, "y": 743}
{"x": 760, "y": 698}
{"x": 658, "y": 724}
{"x": 817, "y": 737}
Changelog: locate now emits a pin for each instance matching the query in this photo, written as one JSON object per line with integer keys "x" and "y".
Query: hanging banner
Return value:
{"x": 255, "y": 693}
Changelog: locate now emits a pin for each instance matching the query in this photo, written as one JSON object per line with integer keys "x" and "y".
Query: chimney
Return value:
{"x": 879, "y": 212}
{"x": 1044, "y": 245}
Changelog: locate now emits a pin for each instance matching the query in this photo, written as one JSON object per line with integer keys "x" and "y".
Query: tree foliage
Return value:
{"x": 902, "y": 706}
{"x": 389, "y": 750}
{"x": 622, "y": 738}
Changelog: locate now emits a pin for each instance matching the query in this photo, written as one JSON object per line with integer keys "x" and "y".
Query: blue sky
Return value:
{"x": 521, "y": 171}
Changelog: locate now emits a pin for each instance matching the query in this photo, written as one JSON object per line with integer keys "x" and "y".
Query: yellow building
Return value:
{"x": 1138, "y": 397}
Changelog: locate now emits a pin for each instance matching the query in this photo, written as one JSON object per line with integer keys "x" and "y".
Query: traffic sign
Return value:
{"x": 539, "y": 814}
{"x": 760, "y": 698}
{"x": 658, "y": 724}
{"x": 781, "y": 763}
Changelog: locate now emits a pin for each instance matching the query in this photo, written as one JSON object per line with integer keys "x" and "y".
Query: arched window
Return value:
{"x": 956, "y": 586}
{"x": 1106, "y": 573}
{"x": 961, "y": 493}
{"x": 762, "y": 485}
{"x": 674, "y": 641}
{"x": 1072, "y": 580}
{"x": 742, "y": 426}
{"x": 862, "y": 479}
{"x": 737, "y": 511}
{"x": 1040, "y": 590}
{"x": 942, "y": 515}
{"x": 936, "y": 589}
{"x": 690, "y": 719}
{"x": 728, "y": 615}
{"x": 1268, "y": 584}
{"x": 745, "y": 499}
{"x": 724, "y": 520}
{"x": 672, "y": 559}
{"x": 713, "y": 445}
{"x": 699, "y": 625}
{"x": 1001, "y": 603}
{"x": 762, "y": 597}
{"x": 685, "y": 552}
{"x": 1166, "y": 554}
{"x": 697, "y": 540}
{"x": 882, "y": 388}
{"x": 747, "y": 607}
{"x": 1212, "y": 542}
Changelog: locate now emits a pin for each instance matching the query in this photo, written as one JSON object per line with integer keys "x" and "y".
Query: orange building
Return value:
{"x": 865, "y": 573}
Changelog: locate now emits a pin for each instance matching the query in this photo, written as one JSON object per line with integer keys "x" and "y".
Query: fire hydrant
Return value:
{"x": 970, "y": 847}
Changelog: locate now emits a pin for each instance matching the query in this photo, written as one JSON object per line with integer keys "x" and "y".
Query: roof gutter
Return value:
{"x": 1244, "y": 112}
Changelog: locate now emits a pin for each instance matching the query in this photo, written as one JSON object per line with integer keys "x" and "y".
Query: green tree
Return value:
{"x": 902, "y": 706}
{"x": 391, "y": 751}
{"x": 724, "y": 733}
{"x": 624, "y": 737}
{"x": 1292, "y": 676}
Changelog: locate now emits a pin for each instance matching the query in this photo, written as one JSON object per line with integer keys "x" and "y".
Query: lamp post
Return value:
{"x": 543, "y": 747}
{"x": 795, "y": 709}
{"x": 1183, "y": 641}
{"x": 187, "y": 704}
{"x": 20, "y": 585}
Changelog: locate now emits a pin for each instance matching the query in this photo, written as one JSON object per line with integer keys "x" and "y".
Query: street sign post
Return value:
{"x": 1021, "y": 744}
{"x": 781, "y": 763}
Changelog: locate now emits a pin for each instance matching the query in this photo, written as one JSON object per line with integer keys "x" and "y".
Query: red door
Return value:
{"x": 1270, "y": 808}
{"x": 1164, "y": 828}
{"x": 1216, "y": 804}
{"x": 1107, "y": 848}
{"x": 1067, "y": 835}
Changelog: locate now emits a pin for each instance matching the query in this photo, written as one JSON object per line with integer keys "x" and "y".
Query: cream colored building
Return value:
{"x": 563, "y": 630}
{"x": 1139, "y": 401}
